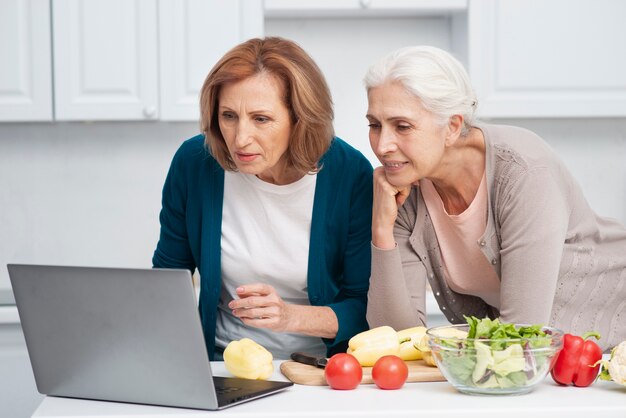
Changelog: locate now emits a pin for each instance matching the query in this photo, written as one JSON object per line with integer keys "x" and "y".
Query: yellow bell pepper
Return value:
{"x": 408, "y": 337}
{"x": 422, "y": 344}
{"x": 247, "y": 359}
{"x": 369, "y": 346}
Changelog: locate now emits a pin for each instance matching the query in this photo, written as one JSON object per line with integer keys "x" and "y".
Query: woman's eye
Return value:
{"x": 261, "y": 119}
{"x": 374, "y": 125}
{"x": 228, "y": 115}
{"x": 404, "y": 127}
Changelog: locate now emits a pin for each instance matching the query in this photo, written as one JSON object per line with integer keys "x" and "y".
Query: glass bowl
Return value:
{"x": 493, "y": 367}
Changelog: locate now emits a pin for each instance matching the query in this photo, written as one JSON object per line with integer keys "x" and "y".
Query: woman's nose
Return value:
{"x": 385, "y": 142}
{"x": 243, "y": 135}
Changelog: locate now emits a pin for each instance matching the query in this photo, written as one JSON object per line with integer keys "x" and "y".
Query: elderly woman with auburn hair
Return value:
{"x": 271, "y": 208}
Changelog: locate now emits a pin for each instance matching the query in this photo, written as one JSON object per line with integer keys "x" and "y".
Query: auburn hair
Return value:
{"x": 306, "y": 95}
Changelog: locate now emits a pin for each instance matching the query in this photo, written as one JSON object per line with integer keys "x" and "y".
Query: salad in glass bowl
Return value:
{"x": 486, "y": 356}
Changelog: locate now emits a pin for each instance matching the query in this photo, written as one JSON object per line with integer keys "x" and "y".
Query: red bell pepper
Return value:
{"x": 575, "y": 363}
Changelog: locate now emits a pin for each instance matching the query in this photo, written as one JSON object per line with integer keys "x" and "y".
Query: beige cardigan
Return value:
{"x": 558, "y": 262}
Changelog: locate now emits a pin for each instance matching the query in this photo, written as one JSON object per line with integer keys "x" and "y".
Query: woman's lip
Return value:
{"x": 392, "y": 166}
{"x": 245, "y": 157}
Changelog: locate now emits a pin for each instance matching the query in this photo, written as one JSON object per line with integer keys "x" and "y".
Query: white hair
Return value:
{"x": 432, "y": 75}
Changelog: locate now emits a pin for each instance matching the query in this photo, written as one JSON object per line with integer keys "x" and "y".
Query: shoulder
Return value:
{"x": 343, "y": 158}
{"x": 513, "y": 153}
{"x": 193, "y": 148}
{"x": 521, "y": 160}
{"x": 513, "y": 143}
{"x": 193, "y": 153}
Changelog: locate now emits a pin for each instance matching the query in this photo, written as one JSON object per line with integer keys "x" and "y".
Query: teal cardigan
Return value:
{"x": 339, "y": 247}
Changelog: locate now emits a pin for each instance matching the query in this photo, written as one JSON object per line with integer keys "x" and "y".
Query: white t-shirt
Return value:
{"x": 265, "y": 238}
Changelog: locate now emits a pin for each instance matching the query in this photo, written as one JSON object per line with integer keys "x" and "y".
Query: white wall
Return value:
{"x": 83, "y": 193}
{"x": 345, "y": 48}
{"x": 89, "y": 193}
{"x": 593, "y": 149}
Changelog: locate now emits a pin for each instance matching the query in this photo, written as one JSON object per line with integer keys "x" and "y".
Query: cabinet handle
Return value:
{"x": 149, "y": 111}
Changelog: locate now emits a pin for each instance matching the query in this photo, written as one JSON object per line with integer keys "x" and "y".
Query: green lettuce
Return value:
{"x": 498, "y": 362}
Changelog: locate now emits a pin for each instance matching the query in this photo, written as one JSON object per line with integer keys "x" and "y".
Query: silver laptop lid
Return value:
{"x": 129, "y": 335}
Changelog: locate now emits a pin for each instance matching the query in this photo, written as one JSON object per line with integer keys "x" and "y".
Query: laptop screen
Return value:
{"x": 129, "y": 335}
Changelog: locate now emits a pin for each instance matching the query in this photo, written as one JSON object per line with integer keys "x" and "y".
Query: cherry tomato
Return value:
{"x": 390, "y": 372}
{"x": 343, "y": 372}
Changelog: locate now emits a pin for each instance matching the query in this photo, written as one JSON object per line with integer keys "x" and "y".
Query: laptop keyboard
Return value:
{"x": 221, "y": 390}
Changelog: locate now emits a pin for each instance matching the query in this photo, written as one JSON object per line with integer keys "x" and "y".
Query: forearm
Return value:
{"x": 528, "y": 288}
{"x": 390, "y": 300}
{"x": 318, "y": 321}
{"x": 386, "y": 201}
{"x": 382, "y": 236}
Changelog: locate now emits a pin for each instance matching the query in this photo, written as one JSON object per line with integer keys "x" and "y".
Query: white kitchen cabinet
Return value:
{"x": 105, "y": 59}
{"x": 361, "y": 8}
{"x": 142, "y": 59}
{"x": 147, "y": 59}
{"x": 536, "y": 58}
{"x": 193, "y": 35}
{"x": 25, "y": 65}
{"x": 115, "y": 60}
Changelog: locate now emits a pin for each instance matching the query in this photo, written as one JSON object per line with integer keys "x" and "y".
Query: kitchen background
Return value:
{"x": 95, "y": 97}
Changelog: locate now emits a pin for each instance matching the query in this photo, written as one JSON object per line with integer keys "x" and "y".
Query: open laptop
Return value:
{"x": 127, "y": 335}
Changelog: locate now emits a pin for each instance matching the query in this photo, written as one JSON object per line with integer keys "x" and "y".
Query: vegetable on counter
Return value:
{"x": 408, "y": 339}
{"x": 390, "y": 372}
{"x": 578, "y": 361}
{"x": 498, "y": 355}
{"x": 615, "y": 367}
{"x": 343, "y": 372}
{"x": 247, "y": 359}
{"x": 369, "y": 346}
{"x": 422, "y": 344}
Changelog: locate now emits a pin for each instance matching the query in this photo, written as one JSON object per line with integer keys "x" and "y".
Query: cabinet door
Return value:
{"x": 194, "y": 34}
{"x": 25, "y": 69}
{"x": 105, "y": 59}
{"x": 537, "y": 58}
{"x": 361, "y": 8}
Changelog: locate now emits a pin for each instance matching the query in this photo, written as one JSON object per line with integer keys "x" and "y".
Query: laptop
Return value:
{"x": 125, "y": 335}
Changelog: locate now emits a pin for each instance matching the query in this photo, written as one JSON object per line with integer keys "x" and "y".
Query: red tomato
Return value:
{"x": 390, "y": 372}
{"x": 343, "y": 372}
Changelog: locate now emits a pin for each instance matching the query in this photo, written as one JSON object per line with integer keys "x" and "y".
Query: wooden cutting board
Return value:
{"x": 303, "y": 374}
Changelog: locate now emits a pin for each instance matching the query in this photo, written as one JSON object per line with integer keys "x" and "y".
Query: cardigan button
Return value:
{"x": 494, "y": 261}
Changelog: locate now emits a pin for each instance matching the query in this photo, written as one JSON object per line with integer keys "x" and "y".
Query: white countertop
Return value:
{"x": 413, "y": 400}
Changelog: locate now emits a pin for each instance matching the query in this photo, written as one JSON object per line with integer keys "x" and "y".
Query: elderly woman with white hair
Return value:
{"x": 487, "y": 214}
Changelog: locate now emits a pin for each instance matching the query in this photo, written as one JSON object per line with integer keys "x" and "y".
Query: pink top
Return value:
{"x": 465, "y": 268}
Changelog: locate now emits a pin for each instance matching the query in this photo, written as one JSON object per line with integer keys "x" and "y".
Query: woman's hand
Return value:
{"x": 387, "y": 199}
{"x": 259, "y": 305}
